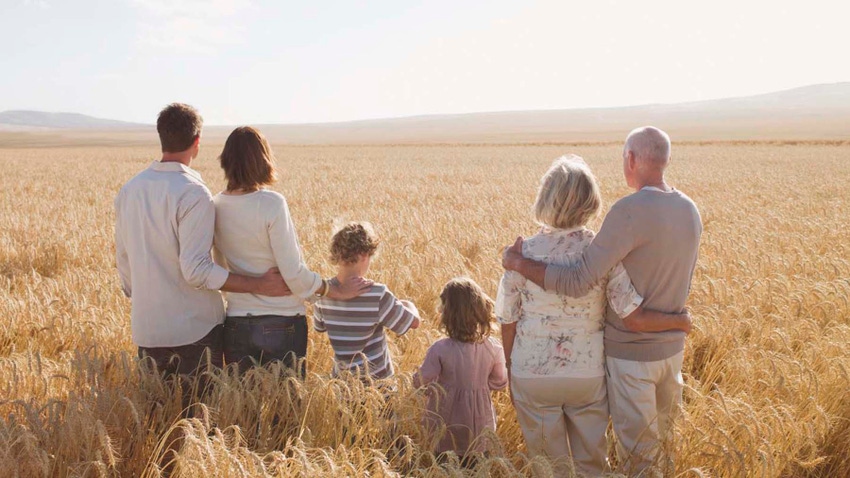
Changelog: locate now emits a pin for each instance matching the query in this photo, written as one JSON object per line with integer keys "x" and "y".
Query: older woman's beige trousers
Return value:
{"x": 564, "y": 417}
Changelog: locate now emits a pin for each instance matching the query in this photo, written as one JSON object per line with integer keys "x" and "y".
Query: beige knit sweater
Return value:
{"x": 655, "y": 235}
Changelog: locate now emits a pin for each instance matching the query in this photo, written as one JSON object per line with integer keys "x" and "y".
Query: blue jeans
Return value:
{"x": 262, "y": 339}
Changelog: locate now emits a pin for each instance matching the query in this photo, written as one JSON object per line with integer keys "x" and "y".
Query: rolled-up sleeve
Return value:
{"x": 195, "y": 231}
{"x": 614, "y": 241}
{"x": 121, "y": 258}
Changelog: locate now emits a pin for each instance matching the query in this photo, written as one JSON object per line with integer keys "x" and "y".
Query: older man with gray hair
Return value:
{"x": 655, "y": 233}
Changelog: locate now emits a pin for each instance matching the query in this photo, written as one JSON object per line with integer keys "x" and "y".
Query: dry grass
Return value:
{"x": 766, "y": 368}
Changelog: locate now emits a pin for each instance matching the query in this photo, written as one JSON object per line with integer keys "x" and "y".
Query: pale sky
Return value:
{"x": 266, "y": 61}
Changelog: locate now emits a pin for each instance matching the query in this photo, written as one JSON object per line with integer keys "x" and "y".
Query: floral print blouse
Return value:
{"x": 558, "y": 335}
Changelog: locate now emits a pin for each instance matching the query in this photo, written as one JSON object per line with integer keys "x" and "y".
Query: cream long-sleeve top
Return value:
{"x": 253, "y": 233}
{"x": 164, "y": 222}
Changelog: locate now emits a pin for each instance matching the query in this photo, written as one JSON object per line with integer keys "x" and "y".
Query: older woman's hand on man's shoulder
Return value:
{"x": 512, "y": 255}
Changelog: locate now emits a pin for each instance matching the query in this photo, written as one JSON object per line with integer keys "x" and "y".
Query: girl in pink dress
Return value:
{"x": 467, "y": 365}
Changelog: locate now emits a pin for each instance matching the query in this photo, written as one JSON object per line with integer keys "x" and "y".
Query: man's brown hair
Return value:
{"x": 352, "y": 241}
{"x": 466, "y": 312}
{"x": 178, "y": 126}
{"x": 247, "y": 160}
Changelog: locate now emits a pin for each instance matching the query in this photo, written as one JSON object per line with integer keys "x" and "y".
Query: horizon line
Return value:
{"x": 133, "y": 124}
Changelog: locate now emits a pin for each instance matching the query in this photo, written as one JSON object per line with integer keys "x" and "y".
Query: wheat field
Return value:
{"x": 767, "y": 368}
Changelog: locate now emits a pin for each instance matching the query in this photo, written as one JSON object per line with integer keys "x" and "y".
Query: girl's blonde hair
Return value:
{"x": 568, "y": 196}
{"x": 466, "y": 312}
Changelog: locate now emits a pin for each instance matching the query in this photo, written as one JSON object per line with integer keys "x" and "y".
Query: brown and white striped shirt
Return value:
{"x": 356, "y": 326}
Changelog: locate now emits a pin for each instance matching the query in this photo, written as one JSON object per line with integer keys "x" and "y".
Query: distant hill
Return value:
{"x": 22, "y": 120}
{"x": 817, "y": 112}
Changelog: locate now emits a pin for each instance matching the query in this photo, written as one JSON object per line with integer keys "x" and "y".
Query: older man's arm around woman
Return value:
{"x": 554, "y": 343}
{"x": 655, "y": 233}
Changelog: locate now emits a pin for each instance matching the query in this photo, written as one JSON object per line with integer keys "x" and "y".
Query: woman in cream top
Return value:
{"x": 254, "y": 232}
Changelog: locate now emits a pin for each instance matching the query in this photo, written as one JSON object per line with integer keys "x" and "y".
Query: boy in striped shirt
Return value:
{"x": 356, "y": 326}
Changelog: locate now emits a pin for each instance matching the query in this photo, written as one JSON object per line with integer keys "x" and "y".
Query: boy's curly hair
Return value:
{"x": 466, "y": 312}
{"x": 353, "y": 240}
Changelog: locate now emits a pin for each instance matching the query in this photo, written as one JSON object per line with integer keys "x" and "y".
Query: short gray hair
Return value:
{"x": 568, "y": 196}
{"x": 650, "y": 144}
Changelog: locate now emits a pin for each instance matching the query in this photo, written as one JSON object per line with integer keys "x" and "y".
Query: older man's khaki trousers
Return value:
{"x": 644, "y": 398}
{"x": 560, "y": 415}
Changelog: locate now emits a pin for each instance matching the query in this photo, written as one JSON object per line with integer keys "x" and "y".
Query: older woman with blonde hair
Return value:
{"x": 254, "y": 231}
{"x": 554, "y": 344}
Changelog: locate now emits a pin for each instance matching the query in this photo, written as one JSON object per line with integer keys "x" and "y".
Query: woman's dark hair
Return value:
{"x": 247, "y": 160}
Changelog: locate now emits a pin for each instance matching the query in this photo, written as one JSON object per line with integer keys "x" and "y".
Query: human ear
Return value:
{"x": 632, "y": 161}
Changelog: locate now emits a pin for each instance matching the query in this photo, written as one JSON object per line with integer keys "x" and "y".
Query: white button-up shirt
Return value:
{"x": 164, "y": 226}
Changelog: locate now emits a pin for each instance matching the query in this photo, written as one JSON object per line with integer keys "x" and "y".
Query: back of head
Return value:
{"x": 352, "y": 241}
{"x": 650, "y": 146}
{"x": 466, "y": 312}
{"x": 247, "y": 160}
{"x": 178, "y": 126}
{"x": 569, "y": 195}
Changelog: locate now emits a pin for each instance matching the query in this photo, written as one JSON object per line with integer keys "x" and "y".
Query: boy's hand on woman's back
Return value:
{"x": 351, "y": 288}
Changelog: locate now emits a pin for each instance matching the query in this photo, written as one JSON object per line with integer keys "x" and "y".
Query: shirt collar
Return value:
{"x": 175, "y": 167}
{"x": 563, "y": 231}
{"x": 653, "y": 188}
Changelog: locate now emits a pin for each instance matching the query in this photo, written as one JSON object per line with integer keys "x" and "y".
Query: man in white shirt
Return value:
{"x": 164, "y": 227}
